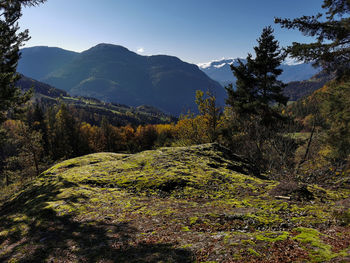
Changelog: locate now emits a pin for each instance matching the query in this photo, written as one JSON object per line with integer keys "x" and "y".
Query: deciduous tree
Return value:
{"x": 210, "y": 111}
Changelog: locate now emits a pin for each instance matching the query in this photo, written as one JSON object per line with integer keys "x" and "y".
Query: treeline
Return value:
{"x": 93, "y": 111}
{"x": 45, "y": 135}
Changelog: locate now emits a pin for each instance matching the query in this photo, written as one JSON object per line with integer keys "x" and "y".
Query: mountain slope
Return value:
{"x": 187, "y": 204}
{"x": 115, "y": 74}
{"x": 38, "y": 62}
{"x": 220, "y": 71}
{"x": 299, "y": 89}
{"x": 40, "y": 88}
{"x": 92, "y": 110}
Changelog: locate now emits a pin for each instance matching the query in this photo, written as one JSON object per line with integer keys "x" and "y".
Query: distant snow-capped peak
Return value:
{"x": 292, "y": 62}
{"x": 229, "y": 61}
{"x": 218, "y": 63}
{"x": 293, "y": 70}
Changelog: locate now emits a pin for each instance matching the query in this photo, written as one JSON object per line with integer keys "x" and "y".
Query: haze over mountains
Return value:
{"x": 115, "y": 74}
{"x": 220, "y": 71}
{"x": 91, "y": 110}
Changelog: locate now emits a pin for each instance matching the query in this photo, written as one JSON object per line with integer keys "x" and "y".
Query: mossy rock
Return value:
{"x": 161, "y": 171}
{"x": 181, "y": 204}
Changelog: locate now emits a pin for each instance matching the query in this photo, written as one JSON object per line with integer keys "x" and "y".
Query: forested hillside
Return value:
{"x": 298, "y": 89}
{"x": 91, "y": 110}
{"x": 115, "y": 74}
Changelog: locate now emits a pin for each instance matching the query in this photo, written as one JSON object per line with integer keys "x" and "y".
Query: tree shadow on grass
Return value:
{"x": 36, "y": 233}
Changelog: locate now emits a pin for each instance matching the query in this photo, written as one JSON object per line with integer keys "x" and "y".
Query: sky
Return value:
{"x": 196, "y": 31}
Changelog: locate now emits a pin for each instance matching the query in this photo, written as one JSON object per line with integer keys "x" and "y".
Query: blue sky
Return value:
{"x": 194, "y": 30}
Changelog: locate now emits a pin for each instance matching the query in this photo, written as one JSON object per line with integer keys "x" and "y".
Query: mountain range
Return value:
{"x": 220, "y": 71}
{"x": 115, "y": 74}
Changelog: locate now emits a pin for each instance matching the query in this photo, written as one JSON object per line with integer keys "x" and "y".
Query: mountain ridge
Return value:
{"x": 49, "y": 59}
{"x": 115, "y": 74}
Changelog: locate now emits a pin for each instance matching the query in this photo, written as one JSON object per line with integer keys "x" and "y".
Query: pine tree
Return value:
{"x": 65, "y": 136}
{"x": 255, "y": 118}
{"x": 106, "y": 135}
{"x": 36, "y": 122}
{"x": 243, "y": 98}
{"x": 31, "y": 148}
{"x": 257, "y": 86}
{"x": 332, "y": 47}
{"x": 10, "y": 42}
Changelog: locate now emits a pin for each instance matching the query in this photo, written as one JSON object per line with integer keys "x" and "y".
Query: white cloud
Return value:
{"x": 140, "y": 50}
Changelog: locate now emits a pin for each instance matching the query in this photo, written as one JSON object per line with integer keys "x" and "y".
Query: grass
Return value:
{"x": 185, "y": 204}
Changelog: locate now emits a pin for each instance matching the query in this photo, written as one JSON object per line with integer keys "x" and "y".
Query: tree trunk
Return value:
{"x": 36, "y": 164}
{"x": 7, "y": 179}
{"x": 307, "y": 149}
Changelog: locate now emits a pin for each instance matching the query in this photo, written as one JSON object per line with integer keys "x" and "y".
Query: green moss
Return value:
{"x": 187, "y": 246}
{"x": 319, "y": 252}
{"x": 253, "y": 252}
{"x": 165, "y": 194}
{"x": 4, "y": 233}
{"x": 185, "y": 229}
{"x": 193, "y": 220}
{"x": 247, "y": 242}
{"x": 20, "y": 218}
{"x": 272, "y": 237}
{"x": 166, "y": 170}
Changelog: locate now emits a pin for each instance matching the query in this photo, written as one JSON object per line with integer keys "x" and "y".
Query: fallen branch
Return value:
{"x": 282, "y": 197}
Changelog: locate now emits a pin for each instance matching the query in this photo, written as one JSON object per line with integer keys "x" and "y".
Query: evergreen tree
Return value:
{"x": 10, "y": 42}
{"x": 257, "y": 86}
{"x": 243, "y": 98}
{"x": 255, "y": 118}
{"x": 106, "y": 135}
{"x": 36, "y": 122}
{"x": 66, "y": 140}
{"x": 332, "y": 47}
{"x": 30, "y": 149}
